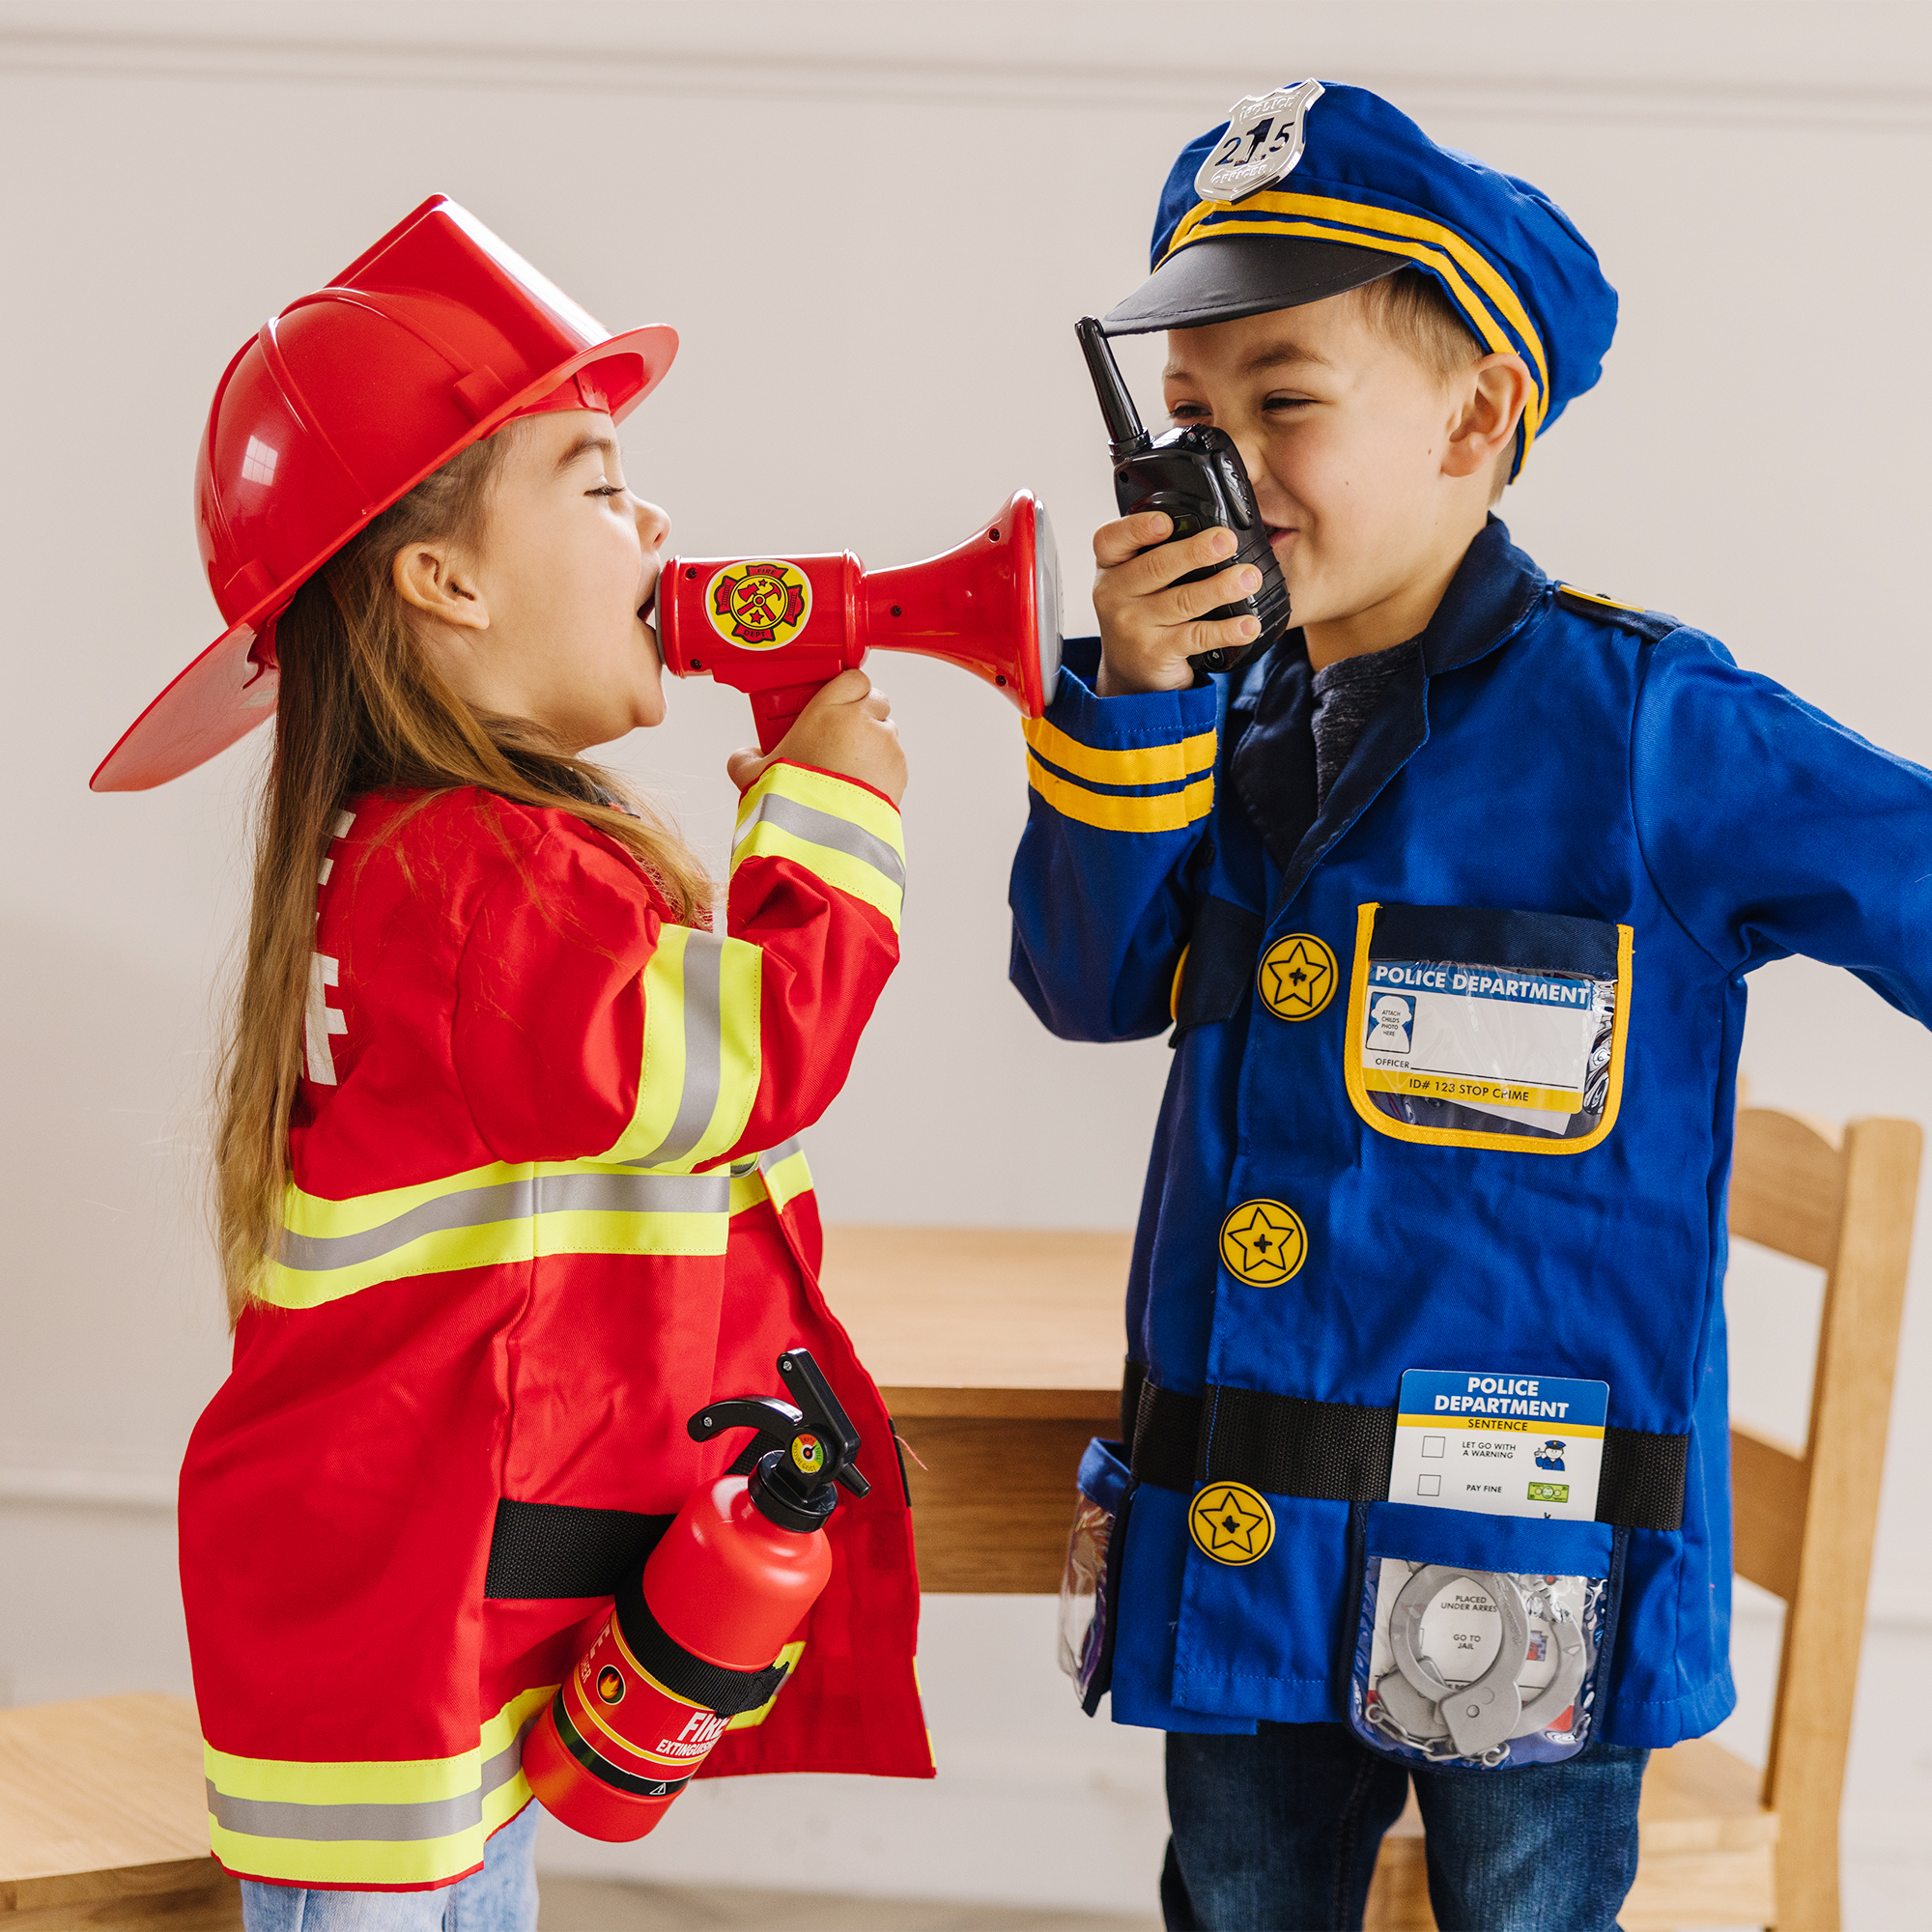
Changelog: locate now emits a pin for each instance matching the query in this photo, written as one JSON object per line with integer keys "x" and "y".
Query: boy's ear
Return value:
{"x": 433, "y": 580}
{"x": 1491, "y": 397}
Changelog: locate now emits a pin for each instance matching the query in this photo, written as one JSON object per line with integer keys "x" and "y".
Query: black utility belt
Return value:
{"x": 558, "y": 1550}
{"x": 1289, "y": 1445}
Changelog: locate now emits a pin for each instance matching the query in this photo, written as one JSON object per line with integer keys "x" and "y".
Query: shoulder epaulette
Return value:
{"x": 1651, "y": 624}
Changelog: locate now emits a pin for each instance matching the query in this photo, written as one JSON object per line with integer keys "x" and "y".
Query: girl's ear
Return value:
{"x": 433, "y": 579}
{"x": 1493, "y": 396}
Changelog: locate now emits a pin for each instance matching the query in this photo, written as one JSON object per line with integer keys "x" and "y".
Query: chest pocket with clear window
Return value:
{"x": 1476, "y": 1028}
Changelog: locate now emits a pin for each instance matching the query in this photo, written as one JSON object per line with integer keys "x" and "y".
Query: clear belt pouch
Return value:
{"x": 1092, "y": 1572}
{"x": 1467, "y": 1657}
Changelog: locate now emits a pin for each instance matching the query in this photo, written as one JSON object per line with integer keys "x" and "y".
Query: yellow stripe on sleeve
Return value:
{"x": 1164, "y": 811}
{"x": 1146, "y": 765}
{"x": 842, "y": 833}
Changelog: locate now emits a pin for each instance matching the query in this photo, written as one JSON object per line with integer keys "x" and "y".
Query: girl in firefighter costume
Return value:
{"x": 507, "y": 1176}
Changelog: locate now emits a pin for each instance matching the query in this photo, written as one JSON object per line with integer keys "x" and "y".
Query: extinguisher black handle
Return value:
{"x": 819, "y": 1442}
{"x": 826, "y": 1414}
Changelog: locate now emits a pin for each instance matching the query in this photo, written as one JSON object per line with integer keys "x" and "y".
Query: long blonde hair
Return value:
{"x": 361, "y": 707}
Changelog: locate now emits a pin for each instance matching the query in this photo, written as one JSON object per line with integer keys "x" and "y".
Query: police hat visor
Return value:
{"x": 1244, "y": 274}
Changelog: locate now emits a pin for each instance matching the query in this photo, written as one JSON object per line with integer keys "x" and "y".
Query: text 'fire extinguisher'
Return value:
{"x": 698, "y": 1638}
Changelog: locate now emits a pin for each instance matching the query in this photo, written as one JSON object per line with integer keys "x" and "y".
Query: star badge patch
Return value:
{"x": 1230, "y": 1522}
{"x": 1298, "y": 977}
{"x": 1263, "y": 1242}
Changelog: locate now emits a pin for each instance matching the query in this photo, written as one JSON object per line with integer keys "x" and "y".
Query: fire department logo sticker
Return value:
{"x": 758, "y": 604}
{"x": 1232, "y": 1523}
{"x": 1263, "y": 1242}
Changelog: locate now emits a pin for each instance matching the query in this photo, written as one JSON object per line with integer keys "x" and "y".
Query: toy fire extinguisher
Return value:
{"x": 691, "y": 1643}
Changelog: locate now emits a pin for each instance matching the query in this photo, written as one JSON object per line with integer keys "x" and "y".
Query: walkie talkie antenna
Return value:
{"x": 1124, "y": 422}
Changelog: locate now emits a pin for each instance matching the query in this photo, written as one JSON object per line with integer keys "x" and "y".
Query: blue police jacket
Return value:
{"x": 1564, "y": 793}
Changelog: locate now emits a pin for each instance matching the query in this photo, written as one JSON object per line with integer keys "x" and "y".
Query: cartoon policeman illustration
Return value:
{"x": 1550, "y": 1455}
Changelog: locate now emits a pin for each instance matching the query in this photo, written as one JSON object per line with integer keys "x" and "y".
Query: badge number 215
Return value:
{"x": 1245, "y": 145}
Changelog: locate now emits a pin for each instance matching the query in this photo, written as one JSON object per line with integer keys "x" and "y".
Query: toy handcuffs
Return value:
{"x": 1479, "y": 1718}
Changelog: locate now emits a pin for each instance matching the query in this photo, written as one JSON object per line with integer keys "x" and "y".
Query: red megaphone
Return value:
{"x": 780, "y": 627}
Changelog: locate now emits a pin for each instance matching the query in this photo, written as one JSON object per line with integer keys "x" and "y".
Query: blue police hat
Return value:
{"x": 1317, "y": 188}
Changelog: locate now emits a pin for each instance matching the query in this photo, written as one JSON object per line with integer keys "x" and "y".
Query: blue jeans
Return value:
{"x": 502, "y": 1897}
{"x": 1278, "y": 1833}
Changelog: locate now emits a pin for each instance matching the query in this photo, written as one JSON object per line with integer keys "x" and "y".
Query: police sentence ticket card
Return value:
{"x": 1517, "y": 1044}
{"x": 1504, "y": 1445}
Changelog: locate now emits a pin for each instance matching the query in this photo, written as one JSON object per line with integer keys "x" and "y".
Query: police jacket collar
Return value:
{"x": 1271, "y": 763}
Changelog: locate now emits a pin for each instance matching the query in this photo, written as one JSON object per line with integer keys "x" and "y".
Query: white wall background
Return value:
{"x": 873, "y": 225}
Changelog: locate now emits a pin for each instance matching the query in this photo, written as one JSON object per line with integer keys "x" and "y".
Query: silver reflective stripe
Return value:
{"x": 771, "y": 1156}
{"x": 499, "y": 1770}
{"x": 512, "y": 1200}
{"x": 703, "y": 1050}
{"x": 821, "y": 828}
{"x": 384, "y": 1824}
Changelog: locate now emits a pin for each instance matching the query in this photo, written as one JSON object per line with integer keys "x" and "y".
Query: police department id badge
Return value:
{"x": 1501, "y": 1445}
{"x": 1517, "y": 1045}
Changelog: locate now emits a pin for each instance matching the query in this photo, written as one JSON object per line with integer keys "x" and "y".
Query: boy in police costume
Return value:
{"x": 1448, "y": 894}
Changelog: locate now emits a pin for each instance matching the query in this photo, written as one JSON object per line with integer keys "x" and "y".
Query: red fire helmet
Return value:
{"x": 336, "y": 409}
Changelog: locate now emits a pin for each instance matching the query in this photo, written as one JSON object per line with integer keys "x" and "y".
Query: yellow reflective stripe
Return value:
{"x": 786, "y": 1174}
{"x": 1384, "y": 221}
{"x": 415, "y": 1822}
{"x": 779, "y": 1176}
{"x": 843, "y": 798}
{"x": 1147, "y": 765}
{"x": 838, "y": 832}
{"x": 700, "y": 1075}
{"x": 788, "y": 1657}
{"x": 485, "y": 1217}
{"x": 415, "y": 1861}
{"x": 1164, "y": 811}
{"x": 502, "y": 1750}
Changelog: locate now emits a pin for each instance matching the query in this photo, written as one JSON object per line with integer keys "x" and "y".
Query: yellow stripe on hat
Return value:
{"x": 1389, "y": 231}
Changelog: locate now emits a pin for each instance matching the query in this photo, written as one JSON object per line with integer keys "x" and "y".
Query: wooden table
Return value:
{"x": 999, "y": 1353}
{"x": 103, "y": 1819}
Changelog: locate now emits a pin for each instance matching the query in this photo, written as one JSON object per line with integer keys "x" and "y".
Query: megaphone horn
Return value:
{"x": 778, "y": 628}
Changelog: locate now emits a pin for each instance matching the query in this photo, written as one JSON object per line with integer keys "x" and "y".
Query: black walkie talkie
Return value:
{"x": 1196, "y": 475}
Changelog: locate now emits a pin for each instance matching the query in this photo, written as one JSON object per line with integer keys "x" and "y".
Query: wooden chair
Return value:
{"x": 999, "y": 1352}
{"x": 103, "y": 1819}
{"x": 1722, "y": 1844}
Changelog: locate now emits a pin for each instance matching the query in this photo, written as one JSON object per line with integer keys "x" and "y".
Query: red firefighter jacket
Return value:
{"x": 545, "y": 1203}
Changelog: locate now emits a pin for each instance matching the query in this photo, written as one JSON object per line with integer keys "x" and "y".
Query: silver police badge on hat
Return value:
{"x": 1263, "y": 141}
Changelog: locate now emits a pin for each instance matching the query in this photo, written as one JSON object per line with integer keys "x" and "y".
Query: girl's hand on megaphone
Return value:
{"x": 846, "y": 728}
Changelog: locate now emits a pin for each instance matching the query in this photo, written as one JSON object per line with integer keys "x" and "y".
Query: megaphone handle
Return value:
{"x": 775, "y": 711}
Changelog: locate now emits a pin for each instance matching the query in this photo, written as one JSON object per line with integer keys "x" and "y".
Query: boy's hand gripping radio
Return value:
{"x": 698, "y": 1639}
{"x": 779, "y": 627}
{"x": 1196, "y": 476}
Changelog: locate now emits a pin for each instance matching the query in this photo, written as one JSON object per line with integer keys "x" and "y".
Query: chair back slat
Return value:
{"x": 1771, "y": 1485}
{"x": 1787, "y": 1185}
